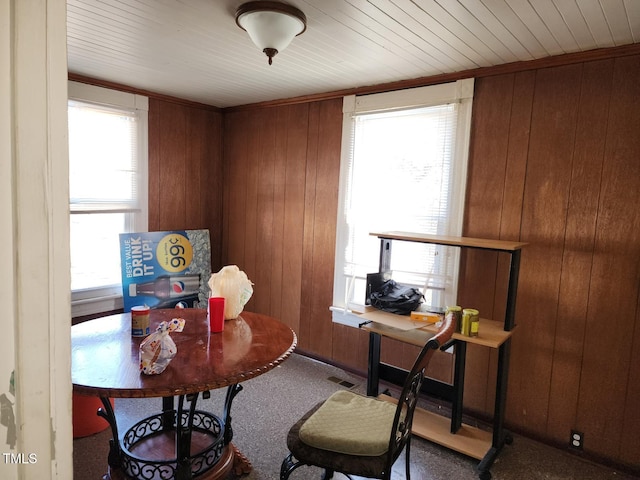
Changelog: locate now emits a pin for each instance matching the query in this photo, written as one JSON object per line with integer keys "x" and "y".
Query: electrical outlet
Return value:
{"x": 577, "y": 440}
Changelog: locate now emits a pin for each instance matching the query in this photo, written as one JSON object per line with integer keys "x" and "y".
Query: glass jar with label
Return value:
{"x": 470, "y": 322}
{"x": 457, "y": 313}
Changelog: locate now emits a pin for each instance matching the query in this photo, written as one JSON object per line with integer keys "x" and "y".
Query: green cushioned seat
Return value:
{"x": 357, "y": 435}
{"x": 351, "y": 424}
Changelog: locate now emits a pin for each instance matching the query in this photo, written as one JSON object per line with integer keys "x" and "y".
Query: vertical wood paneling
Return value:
{"x": 285, "y": 163}
{"x": 171, "y": 163}
{"x": 515, "y": 174}
{"x": 323, "y": 167}
{"x": 279, "y": 181}
{"x": 249, "y": 216}
{"x": 350, "y": 347}
{"x": 518, "y": 137}
{"x": 194, "y": 171}
{"x": 571, "y": 191}
{"x": 578, "y": 287}
{"x": 393, "y": 352}
{"x": 629, "y": 446}
{"x": 173, "y": 172}
{"x": 510, "y": 221}
{"x": 544, "y": 214}
{"x": 307, "y": 280}
{"x": 235, "y": 187}
{"x": 486, "y": 178}
{"x": 185, "y": 169}
{"x": 264, "y": 212}
{"x": 211, "y": 180}
{"x": 586, "y": 177}
{"x": 293, "y": 214}
{"x": 440, "y": 366}
{"x": 614, "y": 288}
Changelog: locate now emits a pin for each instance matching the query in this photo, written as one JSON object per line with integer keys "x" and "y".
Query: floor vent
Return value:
{"x": 342, "y": 382}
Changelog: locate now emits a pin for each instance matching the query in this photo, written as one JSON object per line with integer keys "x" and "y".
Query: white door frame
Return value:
{"x": 34, "y": 254}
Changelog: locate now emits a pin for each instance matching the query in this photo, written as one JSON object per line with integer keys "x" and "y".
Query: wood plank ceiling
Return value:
{"x": 193, "y": 49}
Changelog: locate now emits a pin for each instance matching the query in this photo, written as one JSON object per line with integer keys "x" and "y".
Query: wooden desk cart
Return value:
{"x": 451, "y": 433}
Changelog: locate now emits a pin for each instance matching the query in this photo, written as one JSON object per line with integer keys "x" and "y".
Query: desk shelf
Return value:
{"x": 470, "y": 441}
{"x": 467, "y": 242}
{"x": 451, "y": 432}
{"x": 491, "y": 333}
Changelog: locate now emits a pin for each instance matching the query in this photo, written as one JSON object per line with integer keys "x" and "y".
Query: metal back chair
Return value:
{"x": 357, "y": 435}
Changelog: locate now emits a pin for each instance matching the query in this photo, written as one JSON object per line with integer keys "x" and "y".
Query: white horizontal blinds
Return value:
{"x": 400, "y": 179}
{"x": 108, "y": 139}
{"x": 103, "y": 188}
{"x": 95, "y": 255}
{"x": 103, "y": 161}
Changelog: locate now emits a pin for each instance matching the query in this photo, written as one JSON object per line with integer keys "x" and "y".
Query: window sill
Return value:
{"x": 91, "y": 306}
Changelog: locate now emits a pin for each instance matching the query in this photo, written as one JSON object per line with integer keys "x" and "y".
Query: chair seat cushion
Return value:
{"x": 351, "y": 424}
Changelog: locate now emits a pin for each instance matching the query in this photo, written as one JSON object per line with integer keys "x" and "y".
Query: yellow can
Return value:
{"x": 470, "y": 322}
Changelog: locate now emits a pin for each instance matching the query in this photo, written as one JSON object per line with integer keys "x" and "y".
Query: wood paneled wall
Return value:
{"x": 185, "y": 170}
{"x": 281, "y": 186}
{"x": 554, "y": 162}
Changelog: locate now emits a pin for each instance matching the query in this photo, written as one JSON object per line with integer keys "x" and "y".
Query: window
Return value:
{"x": 107, "y": 188}
{"x": 403, "y": 167}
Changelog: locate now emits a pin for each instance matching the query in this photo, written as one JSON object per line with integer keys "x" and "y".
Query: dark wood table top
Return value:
{"x": 105, "y": 357}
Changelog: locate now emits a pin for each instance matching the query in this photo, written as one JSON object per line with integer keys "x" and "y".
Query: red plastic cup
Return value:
{"x": 216, "y": 314}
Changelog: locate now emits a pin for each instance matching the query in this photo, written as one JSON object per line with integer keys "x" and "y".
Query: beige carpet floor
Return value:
{"x": 269, "y": 404}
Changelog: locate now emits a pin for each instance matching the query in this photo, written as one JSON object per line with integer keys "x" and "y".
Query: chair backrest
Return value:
{"x": 401, "y": 431}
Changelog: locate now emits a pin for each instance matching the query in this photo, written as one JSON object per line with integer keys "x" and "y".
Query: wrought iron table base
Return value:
{"x": 181, "y": 423}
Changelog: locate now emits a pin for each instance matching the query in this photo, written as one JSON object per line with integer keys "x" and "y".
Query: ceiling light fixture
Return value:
{"x": 271, "y": 25}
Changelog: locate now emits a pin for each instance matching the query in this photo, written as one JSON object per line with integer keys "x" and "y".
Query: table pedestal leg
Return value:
{"x": 176, "y": 427}
{"x": 232, "y": 391}
{"x": 109, "y": 415}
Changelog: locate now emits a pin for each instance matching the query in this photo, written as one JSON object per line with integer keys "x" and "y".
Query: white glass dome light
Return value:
{"x": 271, "y": 25}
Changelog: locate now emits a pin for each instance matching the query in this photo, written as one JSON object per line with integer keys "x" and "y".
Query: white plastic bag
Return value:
{"x": 236, "y": 288}
{"x": 158, "y": 349}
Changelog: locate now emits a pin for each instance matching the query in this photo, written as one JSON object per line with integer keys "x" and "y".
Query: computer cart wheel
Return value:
{"x": 486, "y": 475}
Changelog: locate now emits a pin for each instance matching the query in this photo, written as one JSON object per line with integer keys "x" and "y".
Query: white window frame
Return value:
{"x": 460, "y": 92}
{"x": 102, "y": 299}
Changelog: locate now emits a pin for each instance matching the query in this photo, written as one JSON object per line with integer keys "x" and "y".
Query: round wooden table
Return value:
{"x": 181, "y": 442}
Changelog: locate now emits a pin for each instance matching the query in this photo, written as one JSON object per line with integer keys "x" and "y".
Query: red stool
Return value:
{"x": 85, "y": 419}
